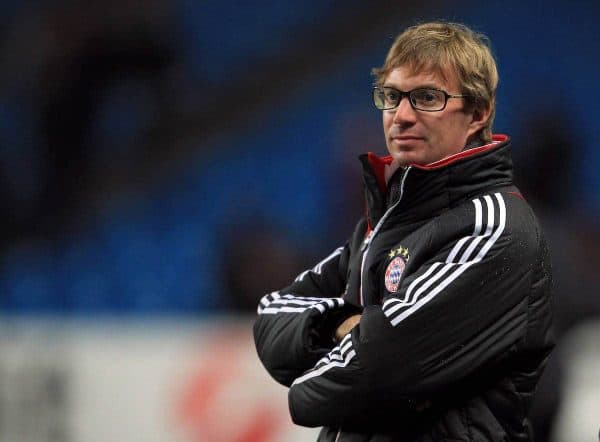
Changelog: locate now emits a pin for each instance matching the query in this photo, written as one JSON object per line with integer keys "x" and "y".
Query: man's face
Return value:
{"x": 419, "y": 137}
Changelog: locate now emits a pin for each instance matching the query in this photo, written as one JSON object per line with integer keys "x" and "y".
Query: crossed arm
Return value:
{"x": 457, "y": 312}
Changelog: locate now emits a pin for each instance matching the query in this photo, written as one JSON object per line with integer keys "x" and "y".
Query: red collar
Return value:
{"x": 378, "y": 163}
{"x": 499, "y": 138}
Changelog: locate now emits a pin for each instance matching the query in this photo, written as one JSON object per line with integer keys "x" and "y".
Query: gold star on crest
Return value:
{"x": 400, "y": 251}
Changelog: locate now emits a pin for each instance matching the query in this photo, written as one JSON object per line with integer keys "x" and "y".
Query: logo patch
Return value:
{"x": 393, "y": 274}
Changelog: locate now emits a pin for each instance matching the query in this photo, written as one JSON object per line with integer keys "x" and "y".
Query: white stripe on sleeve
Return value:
{"x": 340, "y": 357}
{"x": 319, "y": 267}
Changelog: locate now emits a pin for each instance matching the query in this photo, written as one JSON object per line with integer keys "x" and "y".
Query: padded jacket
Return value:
{"x": 451, "y": 274}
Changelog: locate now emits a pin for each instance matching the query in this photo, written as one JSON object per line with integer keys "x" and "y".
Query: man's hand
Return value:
{"x": 345, "y": 327}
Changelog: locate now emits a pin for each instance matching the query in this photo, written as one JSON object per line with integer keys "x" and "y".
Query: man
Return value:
{"x": 433, "y": 322}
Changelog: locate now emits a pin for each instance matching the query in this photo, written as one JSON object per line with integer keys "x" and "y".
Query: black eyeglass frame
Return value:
{"x": 408, "y": 93}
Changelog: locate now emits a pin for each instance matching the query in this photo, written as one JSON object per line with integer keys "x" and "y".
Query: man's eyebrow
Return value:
{"x": 421, "y": 86}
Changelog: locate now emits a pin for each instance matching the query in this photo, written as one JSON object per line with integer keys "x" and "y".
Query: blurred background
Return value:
{"x": 163, "y": 164}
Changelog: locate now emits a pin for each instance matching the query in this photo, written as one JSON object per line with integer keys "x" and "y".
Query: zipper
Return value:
{"x": 337, "y": 437}
{"x": 366, "y": 245}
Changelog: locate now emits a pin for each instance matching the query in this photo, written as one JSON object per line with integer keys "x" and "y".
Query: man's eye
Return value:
{"x": 425, "y": 96}
{"x": 391, "y": 96}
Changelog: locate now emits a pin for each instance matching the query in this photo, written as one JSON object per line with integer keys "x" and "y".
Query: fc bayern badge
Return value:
{"x": 393, "y": 274}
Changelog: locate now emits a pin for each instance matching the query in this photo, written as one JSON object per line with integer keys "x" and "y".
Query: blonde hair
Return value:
{"x": 443, "y": 47}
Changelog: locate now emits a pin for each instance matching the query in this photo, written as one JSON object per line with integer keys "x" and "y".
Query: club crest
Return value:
{"x": 393, "y": 274}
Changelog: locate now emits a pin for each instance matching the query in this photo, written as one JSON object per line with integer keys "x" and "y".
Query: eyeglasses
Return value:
{"x": 423, "y": 99}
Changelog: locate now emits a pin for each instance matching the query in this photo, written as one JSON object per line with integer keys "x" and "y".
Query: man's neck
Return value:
{"x": 476, "y": 141}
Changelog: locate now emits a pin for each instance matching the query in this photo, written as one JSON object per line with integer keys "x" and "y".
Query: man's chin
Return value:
{"x": 405, "y": 158}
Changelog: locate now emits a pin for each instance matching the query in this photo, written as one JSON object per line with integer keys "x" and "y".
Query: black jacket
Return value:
{"x": 451, "y": 273}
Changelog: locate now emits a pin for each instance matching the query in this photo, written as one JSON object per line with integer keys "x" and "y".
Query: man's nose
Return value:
{"x": 404, "y": 112}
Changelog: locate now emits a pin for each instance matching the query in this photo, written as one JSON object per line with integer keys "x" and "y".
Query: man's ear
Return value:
{"x": 479, "y": 118}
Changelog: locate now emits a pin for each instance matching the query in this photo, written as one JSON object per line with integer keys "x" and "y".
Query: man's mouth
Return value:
{"x": 406, "y": 137}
